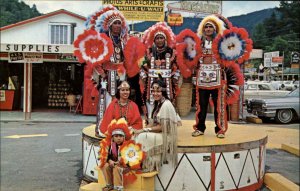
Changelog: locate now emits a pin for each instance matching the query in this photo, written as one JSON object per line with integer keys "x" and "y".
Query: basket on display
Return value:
{"x": 184, "y": 99}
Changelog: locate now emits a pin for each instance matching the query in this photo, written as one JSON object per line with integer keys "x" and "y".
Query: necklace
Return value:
{"x": 160, "y": 50}
{"x": 123, "y": 109}
{"x": 117, "y": 47}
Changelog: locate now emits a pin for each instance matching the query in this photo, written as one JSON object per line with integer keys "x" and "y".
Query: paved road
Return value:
{"x": 30, "y": 164}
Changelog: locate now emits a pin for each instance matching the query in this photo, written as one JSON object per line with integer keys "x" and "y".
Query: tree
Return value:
{"x": 281, "y": 31}
{"x": 13, "y": 11}
{"x": 271, "y": 26}
{"x": 290, "y": 12}
{"x": 259, "y": 36}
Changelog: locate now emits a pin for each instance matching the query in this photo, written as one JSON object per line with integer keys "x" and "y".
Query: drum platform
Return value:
{"x": 236, "y": 162}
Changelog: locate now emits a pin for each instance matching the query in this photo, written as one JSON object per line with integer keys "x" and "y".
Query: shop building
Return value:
{"x": 37, "y": 62}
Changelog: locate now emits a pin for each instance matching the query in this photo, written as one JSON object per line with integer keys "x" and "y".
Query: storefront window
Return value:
{"x": 61, "y": 33}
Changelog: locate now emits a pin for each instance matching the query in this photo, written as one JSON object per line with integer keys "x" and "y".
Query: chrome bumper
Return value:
{"x": 266, "y": 113}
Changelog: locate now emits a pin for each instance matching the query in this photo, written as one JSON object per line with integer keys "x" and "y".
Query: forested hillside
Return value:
{"x": 250, "y": 20}
{"x": 12, "y": 11}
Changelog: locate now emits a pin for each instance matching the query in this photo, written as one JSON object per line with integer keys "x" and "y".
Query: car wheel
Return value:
{"x": 284, "y": 116}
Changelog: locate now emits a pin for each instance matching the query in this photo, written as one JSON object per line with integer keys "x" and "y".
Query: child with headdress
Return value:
{"x": 118, "y": 132}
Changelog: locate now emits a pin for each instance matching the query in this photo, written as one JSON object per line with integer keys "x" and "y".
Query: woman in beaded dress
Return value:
{"x": 159, "y": 137}
{"x": 122, "y": 107}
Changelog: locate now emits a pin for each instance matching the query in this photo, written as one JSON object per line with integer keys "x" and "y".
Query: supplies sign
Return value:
{"x": 25, "y": 57}
{"x": 33, "y": 57}
{"x": 16, "y": 57}
{"x": 139, "y": 10}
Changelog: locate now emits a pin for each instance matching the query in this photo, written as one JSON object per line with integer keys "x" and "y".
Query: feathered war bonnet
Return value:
{"x": 219, "y": 23}
{"x": 160, "y": 28}
{"x": 103, "y": 22}
{"x": 120, "y": 127}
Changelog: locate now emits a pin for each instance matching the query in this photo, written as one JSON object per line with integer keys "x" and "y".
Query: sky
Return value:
{"x": 86, "y": 7}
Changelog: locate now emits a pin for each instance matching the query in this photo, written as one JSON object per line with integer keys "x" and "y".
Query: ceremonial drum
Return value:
{"x": 209, "y": 163}
{"x": 90, "y": 150}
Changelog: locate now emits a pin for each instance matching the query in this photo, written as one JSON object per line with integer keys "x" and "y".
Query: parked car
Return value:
{"x": 257, "y": 89}
{"x": 296, "y": 84}
{"x": 278, "y": 85}
{"x": 289, "y": 85}
{"x": 284, "y": 109}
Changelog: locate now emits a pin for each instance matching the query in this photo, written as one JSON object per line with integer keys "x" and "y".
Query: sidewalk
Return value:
{"x": 61, "y": 117}
{"x": 47, "y": 117}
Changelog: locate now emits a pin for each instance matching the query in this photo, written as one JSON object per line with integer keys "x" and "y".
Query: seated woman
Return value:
{"x": 159, "y": 138}
{"x": 122, "y": 107}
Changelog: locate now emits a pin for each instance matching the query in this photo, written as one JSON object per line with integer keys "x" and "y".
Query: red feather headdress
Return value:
{"x": 134, "y": 51}
{"x": 188, "y": 49}
{"x": 235, "y": 79}
{"x": 162, "y": 28}
{"x": 92, "y": 47}
{"x": 120, "y": 124}
{"x": 91, "y": 21}
{"x": 101, "y": 21}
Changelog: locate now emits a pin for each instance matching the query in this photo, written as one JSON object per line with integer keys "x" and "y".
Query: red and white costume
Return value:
{"x": 105, "y": 55}
{"x": 217, "y": 73}
{"x": 159, "y": 60}
{"x": 115, "y": 110}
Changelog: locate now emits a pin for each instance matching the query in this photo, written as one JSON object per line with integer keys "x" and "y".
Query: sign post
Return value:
{"x": 27, "y": 90}
{"x": 282, "y": 66}
{"x": 268, "y": 62}
{"x": 295, "y": 58}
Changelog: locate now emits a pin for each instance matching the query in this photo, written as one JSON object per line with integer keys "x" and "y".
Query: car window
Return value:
{"x": 263, "y": 87}
{"x": 252, "y": 87}
{"x": 294, "y": 93}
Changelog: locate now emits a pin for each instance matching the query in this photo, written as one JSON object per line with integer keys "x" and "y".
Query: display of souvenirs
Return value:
{"x": 57, "y": 93}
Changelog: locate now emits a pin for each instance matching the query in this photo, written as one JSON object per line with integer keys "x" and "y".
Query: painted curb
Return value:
{"x": 253, "y": 120}
{"x": 294, "y": 149}
{"x": 277, "y": 182}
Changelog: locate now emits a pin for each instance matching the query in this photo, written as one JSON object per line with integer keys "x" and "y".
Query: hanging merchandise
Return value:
{"x": 57, "y": 93}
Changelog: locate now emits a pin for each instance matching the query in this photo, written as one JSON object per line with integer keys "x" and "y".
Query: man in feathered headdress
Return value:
{"x": 160, "y": 59}
{"x": 209, "y": 78}
{"x": 218, "y": 73}
{"x": 111, "y": 22}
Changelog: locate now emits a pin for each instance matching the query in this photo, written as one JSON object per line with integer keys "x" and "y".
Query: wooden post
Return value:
{"x": 27, "y": 98}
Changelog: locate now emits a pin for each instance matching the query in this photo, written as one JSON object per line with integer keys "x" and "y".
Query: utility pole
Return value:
{"x": 282, "y": 65}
